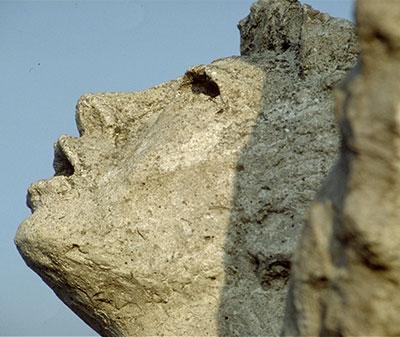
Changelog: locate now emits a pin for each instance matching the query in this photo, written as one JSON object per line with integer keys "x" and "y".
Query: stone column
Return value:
{"x": 346, "y": 271}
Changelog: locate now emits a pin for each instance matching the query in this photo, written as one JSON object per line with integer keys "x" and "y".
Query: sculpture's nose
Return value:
{"x": 66, "y": 159}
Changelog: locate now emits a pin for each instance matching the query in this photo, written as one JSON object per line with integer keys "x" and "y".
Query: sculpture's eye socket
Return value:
{"x": 201, "y": 83}
{"x": 61, "y": 164}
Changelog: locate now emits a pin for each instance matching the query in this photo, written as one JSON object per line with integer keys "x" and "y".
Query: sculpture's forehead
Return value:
{"x": 231, "y": 80}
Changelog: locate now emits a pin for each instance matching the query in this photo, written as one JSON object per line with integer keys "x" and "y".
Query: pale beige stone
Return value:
{"x": 346, "y": 279}
{"x": 176, "y": 210}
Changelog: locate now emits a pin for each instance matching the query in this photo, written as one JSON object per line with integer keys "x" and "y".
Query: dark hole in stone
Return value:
{"x": 201, "y": 83}
{"x": 271, "y": 271}
{"x": 240, "y": 167}
{"x": 279, "y": 269}
{"x": 61, "y": 164}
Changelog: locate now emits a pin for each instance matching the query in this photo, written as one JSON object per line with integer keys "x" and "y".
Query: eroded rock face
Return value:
{"x": 347, "y": 267}
{"x": 176, "y": 210}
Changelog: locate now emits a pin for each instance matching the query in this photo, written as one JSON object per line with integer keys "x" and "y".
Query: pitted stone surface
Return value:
{"x": 347, "y": 267}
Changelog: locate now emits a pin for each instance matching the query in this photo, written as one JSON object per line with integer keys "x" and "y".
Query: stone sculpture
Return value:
{"x": 177, "y": 209}
{"x": 347, "y": 267}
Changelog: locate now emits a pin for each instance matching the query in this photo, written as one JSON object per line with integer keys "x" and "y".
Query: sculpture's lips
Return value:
{"x": 66, "y": 163}
{"x": 43, "y": 190}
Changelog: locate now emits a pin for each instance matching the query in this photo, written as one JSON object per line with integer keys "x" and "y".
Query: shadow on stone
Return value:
{"x": 303, "y": 54}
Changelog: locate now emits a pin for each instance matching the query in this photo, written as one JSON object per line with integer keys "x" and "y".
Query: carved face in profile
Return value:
{"x": 130, "y": 231}
{"x": 175, "y": 211}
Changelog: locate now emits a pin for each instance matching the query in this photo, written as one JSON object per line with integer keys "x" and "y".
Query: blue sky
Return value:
{"x": 51, "y": 53}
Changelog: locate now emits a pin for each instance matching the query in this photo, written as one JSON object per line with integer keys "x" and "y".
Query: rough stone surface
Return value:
{"x": 177, "y": 209}
{"x": 346, "y": 279}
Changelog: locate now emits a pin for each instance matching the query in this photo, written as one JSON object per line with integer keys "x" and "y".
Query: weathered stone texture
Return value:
{"x": 346, "y": 279}
{"x": 177, "y": 209}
